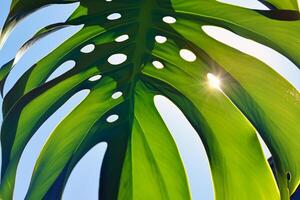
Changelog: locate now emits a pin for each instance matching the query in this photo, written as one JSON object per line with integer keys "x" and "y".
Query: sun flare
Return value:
{"x": 213, "y": 81}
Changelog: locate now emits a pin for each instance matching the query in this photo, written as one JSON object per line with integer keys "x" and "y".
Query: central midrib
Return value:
{"x": 145, "y": 22}
{"x": 144, "y": 19}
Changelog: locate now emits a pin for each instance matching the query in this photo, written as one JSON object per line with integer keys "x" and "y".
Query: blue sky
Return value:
{"x": 84, "y": 181}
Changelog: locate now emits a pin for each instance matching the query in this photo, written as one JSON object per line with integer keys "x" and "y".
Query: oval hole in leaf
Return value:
{"x": 122, "y": 38}
{"x": 187, "y": 55}
{"x": 114, "y": 16}
{"x": 169, "y": 20}
{"x": 88, "y": 48}
{"x": 158, "y": 65}
{"x": 95, "y": 78}
{"x": 112, "y": 118}
{"x": 117, "y": 59}
{"x": 63, "y": 68}
{"x": 160, "y": 39}
{"x": 117, "y": 95}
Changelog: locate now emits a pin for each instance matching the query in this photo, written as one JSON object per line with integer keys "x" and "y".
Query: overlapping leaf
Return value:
{"x": 281, "y": 4}
{"x": 142, "y": 160}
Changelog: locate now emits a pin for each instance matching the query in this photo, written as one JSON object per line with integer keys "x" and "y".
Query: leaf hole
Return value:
{"x": 88, "y": 48}
{"x": 95, "y": 78}
{"x": 158, "y": 65}
{"x": 169, "y": 20}
{"x": 117, "y": 95}
{"x": 187, "y": 55}
{"x": 112, "y": 118}
{"x": 117, "y": 59}
{"x": 160, "y": 39}
{"x": 114, "y": 16}
{"x": 122, "y": 38}
{"x": 63, "y": 68}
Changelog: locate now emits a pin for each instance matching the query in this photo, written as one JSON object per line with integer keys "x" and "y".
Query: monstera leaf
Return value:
{"x": 127, "y": 52}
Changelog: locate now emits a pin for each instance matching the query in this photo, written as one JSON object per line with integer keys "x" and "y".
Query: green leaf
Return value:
{"x": 147, "y": 159}
{"x": 282, "y": 4}
{"x": 142, "y": 160}
{"x": 4, "y": 71}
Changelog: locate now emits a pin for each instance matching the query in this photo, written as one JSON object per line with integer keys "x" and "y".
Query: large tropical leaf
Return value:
{"x": 143, "y": 48}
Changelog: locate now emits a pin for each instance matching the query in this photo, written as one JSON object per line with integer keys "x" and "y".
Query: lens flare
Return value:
{"x": 213, "y": 81}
